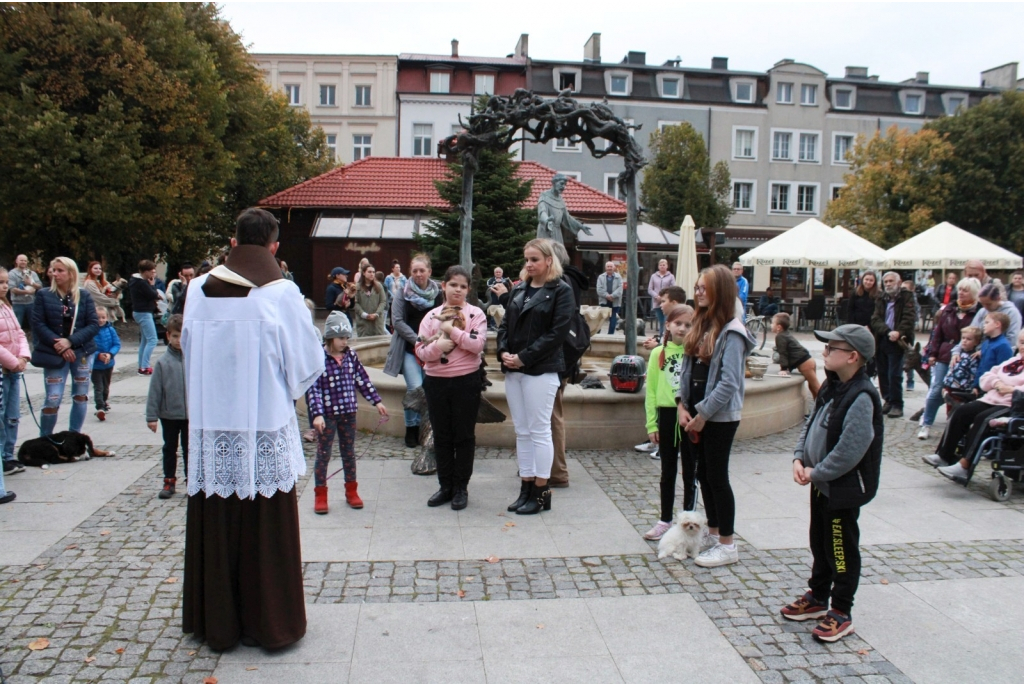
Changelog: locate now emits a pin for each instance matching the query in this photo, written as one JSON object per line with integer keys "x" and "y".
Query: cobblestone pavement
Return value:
{"x": 107, "y": 597}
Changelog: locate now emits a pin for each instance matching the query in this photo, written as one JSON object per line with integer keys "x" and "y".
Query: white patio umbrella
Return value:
{"x": 873, "y": 254}
{"x": 686, "y": 260}
{"x": 810, "y": 244}
{"x": 945, "y": 246}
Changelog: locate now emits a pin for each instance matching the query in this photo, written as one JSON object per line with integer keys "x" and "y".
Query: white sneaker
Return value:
{"x": 708, "y": 541}
{"x": 719, "y": 555}
{"x": 933, "y": 460}
{"x": 953, "y": 471}
{"x": 656, "y": 454}
{"x": 646, "y": 447}
{"x": 922, "y": 434}
{"x": 660, "y": 528}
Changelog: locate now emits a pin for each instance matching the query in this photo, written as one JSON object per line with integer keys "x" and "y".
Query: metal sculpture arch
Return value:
{"x": 525, "y": 116}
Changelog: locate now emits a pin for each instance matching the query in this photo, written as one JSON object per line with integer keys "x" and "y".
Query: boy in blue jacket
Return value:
{"x": 108, "y": 344}
{"x": 995, "y": 348}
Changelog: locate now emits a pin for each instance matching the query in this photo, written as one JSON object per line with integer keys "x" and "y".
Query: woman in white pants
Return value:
{"x": 530, "y": 340}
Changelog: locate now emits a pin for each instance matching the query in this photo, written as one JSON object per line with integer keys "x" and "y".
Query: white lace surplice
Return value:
{"x": 246, "y": 360}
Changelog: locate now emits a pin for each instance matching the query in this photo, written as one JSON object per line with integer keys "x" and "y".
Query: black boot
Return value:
{"x": 440, "y": 497}
{"x": 524, "y": 494}
{"x": 460, "y": 497}
{"x": 540, "y": 498}
{"x": 412, "y": 436}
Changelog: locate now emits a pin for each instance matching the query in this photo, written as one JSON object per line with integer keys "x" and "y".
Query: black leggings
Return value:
{"x": 453, "y": 404}
{"x": 969, "y": 419}
{"x": 712, "y": 456}
{"x": 668, "y": 447}
{"x": 172, "y": 430}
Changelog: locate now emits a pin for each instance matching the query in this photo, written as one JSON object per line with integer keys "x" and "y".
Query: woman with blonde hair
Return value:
{"x": 530, "y": 340}
{"x": 104, "y": 294}
{"x": 710, "y": 401}
{"x": 64, "y": 324}
{"x": 371, "y": 301}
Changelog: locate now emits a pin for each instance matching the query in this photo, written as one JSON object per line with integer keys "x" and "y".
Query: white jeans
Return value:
{"x": 531, "y": 399}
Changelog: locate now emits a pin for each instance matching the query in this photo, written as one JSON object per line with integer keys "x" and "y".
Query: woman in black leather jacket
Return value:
{"x": 530, "y": 338}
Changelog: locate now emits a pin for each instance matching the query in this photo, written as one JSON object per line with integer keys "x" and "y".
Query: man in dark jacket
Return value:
{"x": 893, "y": 324}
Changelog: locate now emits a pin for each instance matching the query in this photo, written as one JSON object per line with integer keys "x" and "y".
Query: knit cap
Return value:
{"x": 337, "y": 326}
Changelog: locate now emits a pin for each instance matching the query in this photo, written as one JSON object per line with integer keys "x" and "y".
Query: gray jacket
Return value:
{"x": 167, "y": 398}
{"x": 856, "y": 439}
{"x": 403, "y": 333}
{"x": 602, "y": 289}
{"x": 723, "y": 400}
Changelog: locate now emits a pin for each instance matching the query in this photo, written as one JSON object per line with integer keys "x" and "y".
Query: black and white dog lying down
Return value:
{"x": 58, "y": 448}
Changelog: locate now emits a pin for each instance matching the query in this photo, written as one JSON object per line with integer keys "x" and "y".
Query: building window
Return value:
{"x": 332, "y": 145}
{"x": 954, "y": 104}
{"x": 292, "y": 93}
{"x": 611, "y": 185}
{"x": 744, "y": 143}
{"x": 457, "y": 129}
{"x": 484, "y": 84}
{"x": 422, "y": 140}
{"x": 327, "y": 94}
{"x": 780, "y": 197}
{"x": 784, "y": 94}
{"x": 913, "y": 104}
{"x": 567, "y": 80}
{"x": 619, "y": 85}
{"x": 808, "y": 147}
{"x": 781, "y": 144}
{"x": 361, "y": 147}
{"x": 808, "y": 94}
{"x": 670, "y": 88}
{"x": 744, "y": 92}
{"x": 574, "y": 175}
{"x": 362, "y": 96}
{"x": 805, "y": 199}
{"x": 742, "y": 196}
{"x": 843, "y": 145}
{"x": 843, "y": 98}
{"x": 439, "y": 81}
{"x": 567, "y": 145}
{"x": 836, "y": 189}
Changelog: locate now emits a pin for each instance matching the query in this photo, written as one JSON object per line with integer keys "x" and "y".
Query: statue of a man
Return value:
{"x": 553, "y": 216}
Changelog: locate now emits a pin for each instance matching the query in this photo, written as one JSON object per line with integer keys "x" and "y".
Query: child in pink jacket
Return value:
{"x": 14, "y": 356}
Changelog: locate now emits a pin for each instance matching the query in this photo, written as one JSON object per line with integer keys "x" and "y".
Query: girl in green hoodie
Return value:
{"x": 662, "y": 423}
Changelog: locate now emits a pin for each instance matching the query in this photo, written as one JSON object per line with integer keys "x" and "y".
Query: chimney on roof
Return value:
{"x": 523, "y": 46}
{"x": 673, "y": 62}
{"x": 455, "y": 48}
{"x": 1003, "y": 78}
{"x": 784, "y": 61}
{"x": 719, "y": 62}
{"x": 922, "y": 77}
{"x": 592, "y": 48}
{"x": 634, "y": 57}
{"x": 856, "y": 72}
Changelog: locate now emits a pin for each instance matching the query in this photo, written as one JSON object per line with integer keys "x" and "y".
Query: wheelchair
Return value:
{"x": 1002, "y": 443}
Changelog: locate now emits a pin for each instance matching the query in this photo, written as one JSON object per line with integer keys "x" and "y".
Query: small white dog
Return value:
{"x": 683, "y": 539}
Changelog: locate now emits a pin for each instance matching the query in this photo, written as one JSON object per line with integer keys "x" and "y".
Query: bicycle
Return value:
{"x": 758, "y": 326}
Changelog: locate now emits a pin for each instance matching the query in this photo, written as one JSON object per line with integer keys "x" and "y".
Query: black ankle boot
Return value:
{"x": 524, "y": 494}
{"x": 442, "y": 496}
{"x": 412, "y": 436}
{"x": 460, "y": 497}
{"x": 540, "y": 498}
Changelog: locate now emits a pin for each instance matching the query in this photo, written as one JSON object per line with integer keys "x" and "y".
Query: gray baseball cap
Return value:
{"x": 857, "y": 337}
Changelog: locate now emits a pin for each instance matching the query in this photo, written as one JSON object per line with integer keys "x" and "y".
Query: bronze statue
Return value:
{"x": 553, "y": 216}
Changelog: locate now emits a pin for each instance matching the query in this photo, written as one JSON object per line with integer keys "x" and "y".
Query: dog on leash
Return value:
{"x": 683, "y": 539}
{"x": 913, "y": 361}
{"x": 58, "y": 448}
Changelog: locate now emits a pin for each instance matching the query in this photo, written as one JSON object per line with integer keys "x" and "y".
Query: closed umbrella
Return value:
{"x": 686, "y": 260}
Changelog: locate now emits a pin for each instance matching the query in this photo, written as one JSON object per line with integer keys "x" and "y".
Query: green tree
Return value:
{"x": 897, "y": 186}
{"x": 136, "y": 129}
{"x": 987, "y": 169}
{"x": 680, "y": 180}
{"x": 501, "y": 224}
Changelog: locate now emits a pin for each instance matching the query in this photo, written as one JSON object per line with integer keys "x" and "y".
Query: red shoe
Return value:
{"x": 101, "y": 415}
{"x": 351, "y": 496}
{"x": 320, "y": 499}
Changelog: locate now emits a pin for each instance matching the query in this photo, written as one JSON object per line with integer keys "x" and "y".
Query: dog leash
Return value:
{"x": 32, "y": 411}
{"x": 380, "y": 422}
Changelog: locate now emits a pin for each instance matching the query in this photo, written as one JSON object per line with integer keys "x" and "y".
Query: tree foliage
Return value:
{"x": 680, "y": 180}
{"x": 501, "y": 224}
{"x": 897, "y": 186}
{"x": 136, "y": 130}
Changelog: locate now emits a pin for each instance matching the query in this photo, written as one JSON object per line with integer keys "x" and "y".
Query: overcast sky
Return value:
{"x": 952, "y": 41}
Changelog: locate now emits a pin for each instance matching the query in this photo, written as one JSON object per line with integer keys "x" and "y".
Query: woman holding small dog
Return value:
{"x": 64, "y": 324}
{"x": 453, "y": 337}
{"x": 530, "y": 338}
{"x": 710, "y": 401}
{"x": 104, "y": 294}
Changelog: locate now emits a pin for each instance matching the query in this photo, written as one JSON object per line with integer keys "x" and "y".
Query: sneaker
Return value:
{"x": 933, "y": 460}
{"x": 660, "y": 528}
{"x": 923, "y": 433}
{"x": 954, "y": 471}
{"x": 804, "y": 609}
{"x": 142, "y": 372}
{"x": 101, "y": 415}
{"x": 9, "y": 497}
{"x": 12, "y": 466}
{"x": 646, "y": 447}
{"x": 719, "y": 555}
{"x": 895, "y": 413}
{"x": 886, "y": 408}
{"x": 708, "y": 541}
{"x": 656, "y": 454}
{"x": 833, "y": 627}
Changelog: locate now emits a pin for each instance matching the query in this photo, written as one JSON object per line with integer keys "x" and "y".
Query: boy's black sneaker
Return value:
{"x": 9, "y": 497}
{"x": 804, "y": 609}
{"x": 13, "y": 466}
{"x": 834, "y": 627}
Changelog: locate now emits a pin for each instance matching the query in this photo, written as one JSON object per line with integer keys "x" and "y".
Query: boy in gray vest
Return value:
{"x": 839, "y": 454}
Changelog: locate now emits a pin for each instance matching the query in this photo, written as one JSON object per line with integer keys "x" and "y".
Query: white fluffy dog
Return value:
{"x": 683, "y": 539}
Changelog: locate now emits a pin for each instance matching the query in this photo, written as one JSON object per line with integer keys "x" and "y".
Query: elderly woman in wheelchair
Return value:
{"x": 969, "y": 423}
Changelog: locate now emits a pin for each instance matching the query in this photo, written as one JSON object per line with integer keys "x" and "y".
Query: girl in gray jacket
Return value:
{"x": 710, "y": 401}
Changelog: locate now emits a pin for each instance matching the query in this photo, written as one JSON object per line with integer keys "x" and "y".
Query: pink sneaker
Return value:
{"x": 660, "y": 528}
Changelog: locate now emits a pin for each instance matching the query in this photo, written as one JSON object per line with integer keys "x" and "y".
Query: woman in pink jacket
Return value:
{"x": 452, "y": 337}
{"x": 14, "y": 356}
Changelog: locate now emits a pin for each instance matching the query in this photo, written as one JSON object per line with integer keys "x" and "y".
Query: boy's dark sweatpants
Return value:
{"x": 668, "y": 448}
{"x": 101, "y": 386}
{"x": 835, "y": 545}
{"x": 172, "y": 429}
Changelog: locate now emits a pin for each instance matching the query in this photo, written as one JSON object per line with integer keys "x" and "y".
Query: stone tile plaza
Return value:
{"x": 397, "y": 592}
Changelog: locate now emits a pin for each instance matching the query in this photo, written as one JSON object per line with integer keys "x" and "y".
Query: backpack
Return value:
{"x": 576, "y": 344}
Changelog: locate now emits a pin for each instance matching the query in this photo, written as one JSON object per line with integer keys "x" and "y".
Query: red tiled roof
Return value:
{"x": 389, "y": 183}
